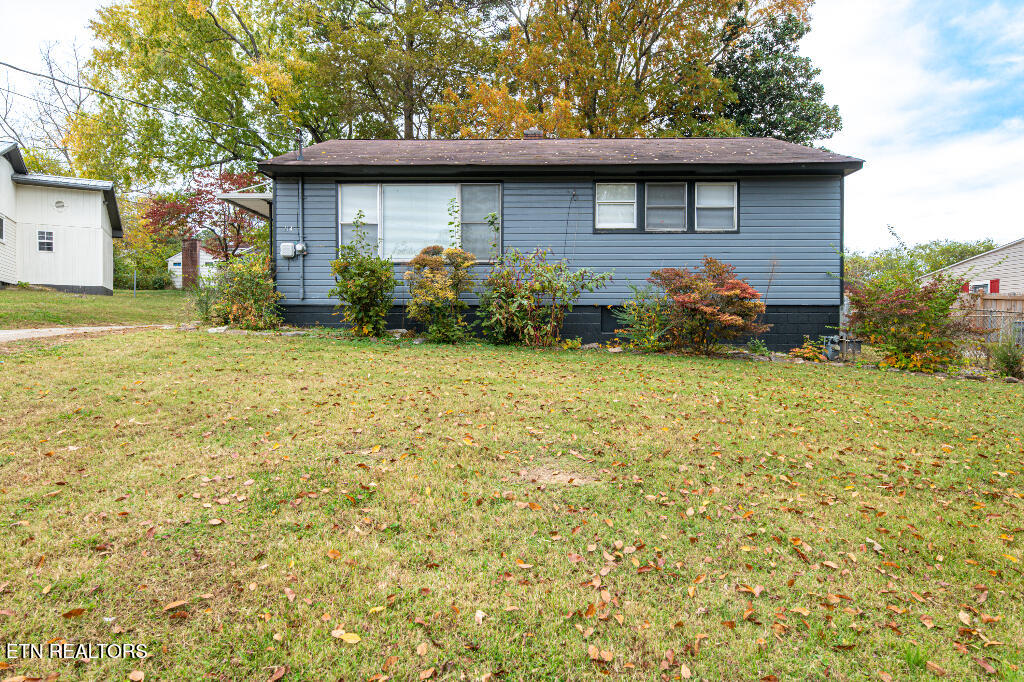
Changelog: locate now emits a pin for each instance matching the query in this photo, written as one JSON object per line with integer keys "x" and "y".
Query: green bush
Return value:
{"x": 758, "y": 347}
{"x": 526, "y": 297}
{"x": 708, "y": 305}
{"x": 438, "y": 277}
{"x": 243, "y": 294}
{"x": 365, "y": 284}
{"x": 915, "y": 325}
{"x": 1008, "y": 358}
{"x": 644, "y": 319}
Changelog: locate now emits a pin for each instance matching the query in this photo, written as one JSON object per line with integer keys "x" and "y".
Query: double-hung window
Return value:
{"x": 666, "y": 207}
{"x": 716, "y": 206}
{"x": 401, "y": 219}
{"x": 615, "y": 206}
{"x": 45, "y": 240}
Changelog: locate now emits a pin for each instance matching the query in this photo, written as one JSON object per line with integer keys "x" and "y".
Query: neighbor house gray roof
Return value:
{"x": 10, "y": 151}
{"x": 22, "y": 177}
{"x": 678, "y": 154}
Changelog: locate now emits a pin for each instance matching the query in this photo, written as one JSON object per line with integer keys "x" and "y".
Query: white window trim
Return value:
{"x": 380, "y": 211}
{"x": 598, "y": 203}
{"x": 40, "y": 240}
{"x": 735, "y": 206}
{"x": 685, "y": 207}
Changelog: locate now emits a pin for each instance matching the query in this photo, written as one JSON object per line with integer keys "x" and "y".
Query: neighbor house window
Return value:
{"x": 177, "y": 265}
{"x": 716, "y": 206}
{"x": 666, "y": 207}
{"x": 45, "y": 240}
{"x": 403, "y": 219}
{"x": 616, "y": 205}
{"x": 1, "y": 229}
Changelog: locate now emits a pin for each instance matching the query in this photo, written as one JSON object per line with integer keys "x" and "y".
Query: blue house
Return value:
{"x": 771, "y": 208}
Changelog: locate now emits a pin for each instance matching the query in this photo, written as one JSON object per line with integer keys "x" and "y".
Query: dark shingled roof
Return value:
{"x": 748, "y": 153}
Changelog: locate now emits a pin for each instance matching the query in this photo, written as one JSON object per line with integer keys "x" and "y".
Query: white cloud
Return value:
{"x": 930, "y": 172}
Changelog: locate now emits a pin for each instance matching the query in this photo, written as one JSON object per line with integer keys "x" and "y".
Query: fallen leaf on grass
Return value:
{"x": 136, "y": 676}
{"x": 884, "y": 676}
{"x": 290, "y": 593}
{"x": 73, "y": 613}
{"x": 427, "y": 674}
{"x": 928, "y": 622}
{"x": 685, "y": 671}
{"x": 985, "y": 665}
{"x": 278, "y": 673}
{"x": 175, "y": 604}
{"x": 347, "y": 637}
{"x": 217, "y": 522}
{"x": 479, "y": 617}
{"x": 935, "y": 668}
{"x": 422, "y": 649}
{"x": 965, "y": 618}
{"x": 333, "y": 554}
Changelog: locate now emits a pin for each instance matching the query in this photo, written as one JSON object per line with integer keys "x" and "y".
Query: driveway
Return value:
{"x": 7, "y": 335}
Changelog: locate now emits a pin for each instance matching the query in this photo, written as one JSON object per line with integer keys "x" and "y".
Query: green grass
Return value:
{"x": 754, "y": 519}
{"x": 20, "y": 308}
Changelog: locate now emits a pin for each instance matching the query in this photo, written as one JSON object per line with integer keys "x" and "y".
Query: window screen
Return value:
{"x": 716, "y": 206}
{"x": 666, "y": 207}
{"x": 478, "y": 202}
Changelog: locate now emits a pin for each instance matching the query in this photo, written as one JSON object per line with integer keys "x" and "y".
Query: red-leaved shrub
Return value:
{"x": 709, "y": 305}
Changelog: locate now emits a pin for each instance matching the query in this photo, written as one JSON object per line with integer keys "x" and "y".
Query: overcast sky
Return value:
{"x": 931, "y": 92}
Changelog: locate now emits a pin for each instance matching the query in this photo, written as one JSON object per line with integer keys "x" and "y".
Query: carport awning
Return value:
{"x": 257, "y": 203}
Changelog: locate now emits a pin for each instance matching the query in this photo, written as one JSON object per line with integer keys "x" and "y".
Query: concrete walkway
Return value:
{"x": 7, "y": 335}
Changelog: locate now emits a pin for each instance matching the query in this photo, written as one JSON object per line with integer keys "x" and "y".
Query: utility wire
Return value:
{"x": 129, "y": 100}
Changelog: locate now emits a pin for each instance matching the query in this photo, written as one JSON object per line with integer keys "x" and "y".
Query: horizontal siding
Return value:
{"x": 788, "y": 246}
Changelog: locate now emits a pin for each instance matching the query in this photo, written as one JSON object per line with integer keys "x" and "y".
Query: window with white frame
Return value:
{"x": 403, "y": 218}
{"x": 45, "y": 240}
{"x": 716, "y": 206}
{"x": 615, "y": 204}
{"x": 665, "y": 207}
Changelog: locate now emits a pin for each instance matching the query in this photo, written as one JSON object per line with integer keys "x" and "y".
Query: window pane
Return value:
{"x": 348, "y": 234}
{"x": 616, "y": 191}
{"x": 666, "y": 195}
{"x": 478, "y": 201}
{"x": 665, "y": 218}
{"x": 716, "y": 195}
{"x": 415, "y": 216}
{"x": 477, "y": 239}
{"x": 715, "y": 219}
{"x": 355, "y": 198}
{"x": 616, "y": 216}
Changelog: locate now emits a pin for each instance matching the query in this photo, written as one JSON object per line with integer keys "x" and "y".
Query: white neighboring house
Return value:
{"x": 207, "y": 266}
{"x": 56, "y": 231}
{"x": 999, "y": 271}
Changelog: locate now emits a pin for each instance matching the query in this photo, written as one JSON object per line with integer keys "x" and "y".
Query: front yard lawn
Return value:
{"x": 20, "y": 308}
{"x": 250, "y": 506}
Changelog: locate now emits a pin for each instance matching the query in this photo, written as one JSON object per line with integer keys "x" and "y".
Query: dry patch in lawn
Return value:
{"x": 547, "y": 476}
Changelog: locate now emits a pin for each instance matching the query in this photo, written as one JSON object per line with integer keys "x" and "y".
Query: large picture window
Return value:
{"x": 403, "y": 218}
{"x": 716, "y": 207}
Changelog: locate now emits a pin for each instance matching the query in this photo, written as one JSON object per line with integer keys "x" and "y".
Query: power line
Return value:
{"x": 129, "y": 100}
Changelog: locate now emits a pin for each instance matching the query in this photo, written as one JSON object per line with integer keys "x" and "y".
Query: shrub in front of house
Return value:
{"x": 914, "y": 325}
{"x": 244, "y": 294}
{"x": 365, "y": 284}
{"x": 525, "y": 297}
{"x": 708, "y": 305}
{"x": 438, "y": 277}
{"x": 644, "y": 320}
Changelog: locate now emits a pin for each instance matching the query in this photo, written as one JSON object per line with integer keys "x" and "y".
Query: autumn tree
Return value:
{"x": 197, "y": 213}
{"x": 601, "y": 68}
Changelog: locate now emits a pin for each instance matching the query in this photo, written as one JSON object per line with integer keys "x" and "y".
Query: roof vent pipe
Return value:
{"x": 533, "y": 134}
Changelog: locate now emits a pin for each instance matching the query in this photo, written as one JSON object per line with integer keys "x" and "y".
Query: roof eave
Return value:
{"x": 406, "y": 170}
{"x": 13, "y": 155}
